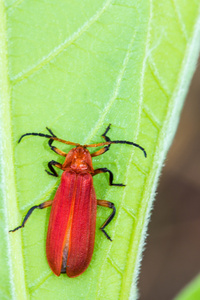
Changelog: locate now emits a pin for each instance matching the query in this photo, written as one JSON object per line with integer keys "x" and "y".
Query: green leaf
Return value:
{"x": 191, "y": 291}
{"x": 76, "y": 66}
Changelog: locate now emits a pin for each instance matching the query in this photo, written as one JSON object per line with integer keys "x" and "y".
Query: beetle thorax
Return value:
{"x": 79, "y": 160}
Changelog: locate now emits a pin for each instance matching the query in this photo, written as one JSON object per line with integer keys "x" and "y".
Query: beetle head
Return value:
{"x": 79, "y": 160}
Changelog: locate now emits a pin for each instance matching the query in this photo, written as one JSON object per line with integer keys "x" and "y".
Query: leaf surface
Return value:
{"x": 76, "y": 66}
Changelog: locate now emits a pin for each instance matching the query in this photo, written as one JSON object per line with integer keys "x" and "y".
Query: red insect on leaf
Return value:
{"x": 71, "y": 230}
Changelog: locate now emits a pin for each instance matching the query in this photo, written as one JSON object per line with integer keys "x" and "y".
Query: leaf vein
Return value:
{"x": 114, "y": 93}
{"x": 59, "y": 49}
{"x": 158, "y": 78}
{"x": 151, "y": 117}
{"x": 15, "y": 4}
{"x": 141, "y": 98}
{"x": 180, "y": 21}
{"x": 114, "y": 265}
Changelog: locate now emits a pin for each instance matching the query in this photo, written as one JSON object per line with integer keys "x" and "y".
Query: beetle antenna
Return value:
{"x": 33, "y": 133}
{"x": 129, "y": 143}
{"x": 51, "y": 137}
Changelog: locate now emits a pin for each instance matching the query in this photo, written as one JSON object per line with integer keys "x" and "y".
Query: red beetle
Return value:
{"x": 71, "y": 231}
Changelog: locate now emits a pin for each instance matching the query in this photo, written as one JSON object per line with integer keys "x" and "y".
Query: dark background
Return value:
{"x": 172, "y": 255}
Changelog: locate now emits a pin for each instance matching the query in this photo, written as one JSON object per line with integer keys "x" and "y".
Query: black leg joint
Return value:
{"x": 50, "y": 164}
{"x": 26, "y": 218}
{"x": 50, "y": 131}
{"x": 105, "y": 233}
{"x": 104, "y": 134}
{"x": 104, "y": 170}
{"x": 51, "y": 141}
{"x": 112, "y": 206}
{"x": 106, "y": 138}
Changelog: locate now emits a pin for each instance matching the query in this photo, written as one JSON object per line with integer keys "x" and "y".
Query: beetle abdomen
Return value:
{"x": 71, "y": 233}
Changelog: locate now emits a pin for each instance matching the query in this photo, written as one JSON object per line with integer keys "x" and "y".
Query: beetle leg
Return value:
{"x": 110, "y": 205}
{"x": 104, "y": 170}
{"x": 106, "y": 138}
{"x": 106, "y": 148}
{"x": 108, "y": 143}
{"x": 58, "y": 151}
{"x": 40, "y": 206}
{"x": 101, "y": 151}
{"x": 56, "y": 164}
